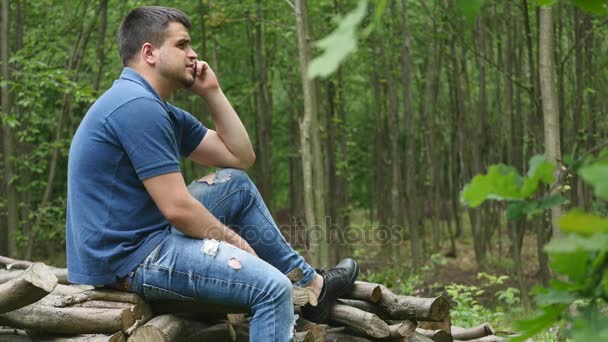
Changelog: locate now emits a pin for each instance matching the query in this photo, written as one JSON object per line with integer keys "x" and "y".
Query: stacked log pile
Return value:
{"x": 37, "y": 304}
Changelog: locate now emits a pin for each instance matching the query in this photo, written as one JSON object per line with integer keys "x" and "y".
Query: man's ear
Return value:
{"x": 148, "y": 52}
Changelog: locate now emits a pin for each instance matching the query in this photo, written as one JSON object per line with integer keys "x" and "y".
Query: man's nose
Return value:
{"x": 192, "y": 54}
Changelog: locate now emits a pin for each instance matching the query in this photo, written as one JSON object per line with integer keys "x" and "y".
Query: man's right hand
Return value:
{"x": 185, "y": 213}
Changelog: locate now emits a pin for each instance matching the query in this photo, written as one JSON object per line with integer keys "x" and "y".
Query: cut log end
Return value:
{"x": 40, "y": 276}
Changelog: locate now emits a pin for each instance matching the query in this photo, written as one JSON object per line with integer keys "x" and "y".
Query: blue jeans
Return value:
{"x": 210, "y": 271}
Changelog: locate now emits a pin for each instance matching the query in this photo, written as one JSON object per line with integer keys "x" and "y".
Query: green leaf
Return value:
{"x": 546, "y": 2}
{"x": 501, "y": 182}
{"x": 523, "y": 209}
{"x": 599, "y": 7}
{"x": 541, "y": 170}
{"x": 469, "y": 8}
{"x": 597, "y": 176}
{"x": 552, "y": 296}
{"x": 571, "y": 243}
{"x": 577, "y": 221}
{"x": 605, "y": 283}
{"x": 530, "y": 327}
{"x": 574, "y": 265}
{"x": 338, "y": 44}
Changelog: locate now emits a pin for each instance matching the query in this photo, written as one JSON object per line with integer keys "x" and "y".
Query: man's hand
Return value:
{"x": 185, "y": 213}
{"x": 229, "y": 144}
{"x": 205, "y": 80}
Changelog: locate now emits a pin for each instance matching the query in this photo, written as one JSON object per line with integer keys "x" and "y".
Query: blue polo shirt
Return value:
{"x": 128, "y": 135}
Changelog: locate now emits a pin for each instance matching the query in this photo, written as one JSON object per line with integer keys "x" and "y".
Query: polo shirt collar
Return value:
{"x": 134, "y": 76}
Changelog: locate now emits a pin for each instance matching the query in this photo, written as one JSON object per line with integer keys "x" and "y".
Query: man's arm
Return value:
{"x": 185, "y": 213}
{"x": 229, "y": 145}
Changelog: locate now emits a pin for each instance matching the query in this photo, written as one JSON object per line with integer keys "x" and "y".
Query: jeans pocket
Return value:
{"x": 133, "y": 279}
{"x": 153, "y": 256}
{"x": 152, "y": 292}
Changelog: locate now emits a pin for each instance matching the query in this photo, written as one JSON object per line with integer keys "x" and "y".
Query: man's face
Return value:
{"x": 176, "y": 59}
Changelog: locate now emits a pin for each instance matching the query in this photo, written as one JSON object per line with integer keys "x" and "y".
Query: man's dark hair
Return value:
{"x": 146, "y": 25}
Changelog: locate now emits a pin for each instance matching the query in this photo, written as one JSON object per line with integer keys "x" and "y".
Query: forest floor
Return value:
{"x": 463, "y": 269}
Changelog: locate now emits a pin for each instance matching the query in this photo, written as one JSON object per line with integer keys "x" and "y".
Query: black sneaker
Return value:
{"x": 336, "y": 282}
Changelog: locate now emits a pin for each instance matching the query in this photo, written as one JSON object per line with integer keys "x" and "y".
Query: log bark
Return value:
{"x": 404, "y": 329}
{"x": 14, "y": 263}
{"x": 167, "y": 328}
{"x": 359, "y": 320}
{"x": 471, "y": 333}
{"x": 436, "y": 335}
{"x": 417, "y": 337}
{"x": 490, "y": 338}
{"x": 369, "y": 292}
{"x": 33, "y": 284}
{"x": 60, "y": 273}
{"x": 72, "y": 320}
{"x": 445, "y": 325}
{"x": 318, "y": 331}
{"x": 423, "y": 309}
{"x": 117, "y": 337}
{"x": 96, "y": 295}
{"x": 341, "y": 336}
{"x": 366, "y": 306}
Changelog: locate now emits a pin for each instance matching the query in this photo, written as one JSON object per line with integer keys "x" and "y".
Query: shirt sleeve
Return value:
{"x": 147, "y": 135}
{"x": 192, "y": 131}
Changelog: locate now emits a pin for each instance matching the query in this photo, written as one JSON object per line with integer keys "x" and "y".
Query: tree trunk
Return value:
{"x": 550, "y": 109}
{"x": 7, "y": 236}
{"x": 101, "y": 52}
{"x": 312, "y": 165}
{"x": 410, "y": 123}
{"x": 264, "y": 119}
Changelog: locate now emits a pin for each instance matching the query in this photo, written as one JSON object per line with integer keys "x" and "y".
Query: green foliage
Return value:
{"x": 469, "y": 8}
{"x": 599, "y": 7}
{"x": 339, "y": 44}
{"x": 503, "y": 183}
{"x": 595, "y": 175}
{"x": 466, "y": 309}
{"x": 580, "y": 259}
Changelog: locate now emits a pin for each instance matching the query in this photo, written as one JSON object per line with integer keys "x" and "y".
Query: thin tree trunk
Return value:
{"x": 533, "y": 124}
{"x": 264, "y": 125}
{"x": 314, "y": 201}
{"x": 550, "y": 109}
{"x": 578, "y": 118}
{"x": 410, "y": 123}
{"x": 101, "y": 52}
{"x": 7, "y": 236}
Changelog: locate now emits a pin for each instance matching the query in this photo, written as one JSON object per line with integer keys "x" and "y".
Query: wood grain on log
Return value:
{"x": 60, "y": 273}
{"x": 366, "y": 306}
{"x": 436, "y": 335}
{"x": 445, "y": 325}
{"x": 13, "y": 263}
{"x": 404, "y": 329}
{"x": 303, "y": 295}
{"x": 484, "y": 329}
{"x": 422, "y": 309}
{"x": 166, "y": 328}
{"x": 417, "y": 337}
{"x": 344, "y": 337}
{"x": 359, "y": 320}
{"x": 365, "y": 291}
{"x": 29, "y": 287}
{"x": 304, "y": 336}
{"x": 102, "y": 295}
{"x": 72, "y": 320}
{"x": 117, "y": 337}
{"x": 490, "y": 338}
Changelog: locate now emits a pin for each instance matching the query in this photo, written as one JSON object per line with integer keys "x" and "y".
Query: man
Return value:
{"x": 133, "y": 224}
